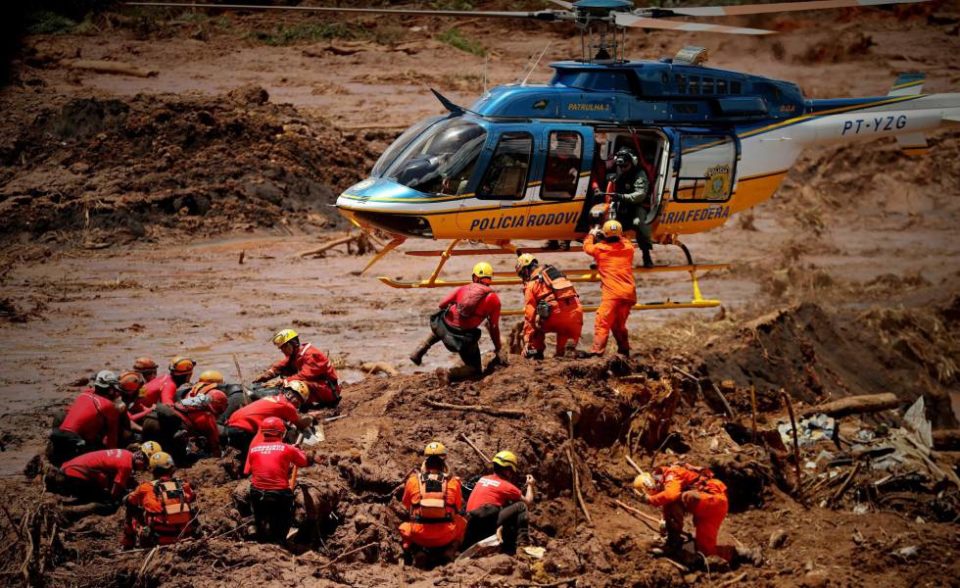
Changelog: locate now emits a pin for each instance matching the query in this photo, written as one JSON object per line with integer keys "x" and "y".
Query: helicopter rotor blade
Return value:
{"x": 546, "y": 15}
{"x": 745, "y": 9}
{"x": 625, "y": 19}
{"x": 562, "y": 3}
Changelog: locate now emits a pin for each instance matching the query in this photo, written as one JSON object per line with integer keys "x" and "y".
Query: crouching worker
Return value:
{"x": 550, "y": 305}
{"x": 188, "y": 428}
{"x": 100, "y": 476}
{"x": 243, "y": 425}
{"x": 496, "y": 502}
{"x": 92, "y": 422}
{"x": 457, "y": 323}
{"x": 272, "y": 467}
{"x": 305, "y": 363}
{"x": 433, "y": 501}
{"x": 681, "y": 489}
{"x": 160, "y": 512}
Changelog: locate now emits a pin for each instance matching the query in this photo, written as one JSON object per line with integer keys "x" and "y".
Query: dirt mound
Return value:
{"x": 106, "y": 171}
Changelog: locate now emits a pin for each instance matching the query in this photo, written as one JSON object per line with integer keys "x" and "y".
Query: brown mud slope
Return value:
{"x": 616, "y": 407}
{"x": 102, "y": 171}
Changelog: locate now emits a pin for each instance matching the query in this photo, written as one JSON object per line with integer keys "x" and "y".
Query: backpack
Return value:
{"x": 432, "y": 507}
{"x": 470, "y": 298}
{"x": 176, "y": 514}
{"x": 560, "y": 286}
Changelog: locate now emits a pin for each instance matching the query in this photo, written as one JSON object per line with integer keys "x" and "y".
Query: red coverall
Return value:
{"x": 566, "y": 316}
{"x": 618, "y": 291}
{"x": 488, "y": 309}
{"x": 249, "y": 417}
{"x": 310, "y": 365}
{"x": 162, "y": 389}
{"x": 271, "y": 463}
{"x": 108, "y": 469}
{"x": 438, "y": 534}
{"x": 685, "y": 490}
{"x": 94, "y": 418}
{"x": 201, "y": 422}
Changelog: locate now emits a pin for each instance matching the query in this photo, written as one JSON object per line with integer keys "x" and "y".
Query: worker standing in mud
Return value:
{"x": 159, "y": 512}
{"x": 92, "y": 422}
{"x": 457, "y": 323}
{"x": 99, "y": 476}
{"x": 305, "y": 363}
{"x": 434, "y": 501}
{"x": 244, "y": 424}
{"x": 496, "y": 502}
{"x": 192, "y": 420}
{"x": 270, "y": 464}
{"x": 681, "y": 489}
{"x": 550, "y": 305}
{"x": 618, "y": 289}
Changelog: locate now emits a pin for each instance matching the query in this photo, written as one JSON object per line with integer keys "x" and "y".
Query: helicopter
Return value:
{"x": 527, "y": 162}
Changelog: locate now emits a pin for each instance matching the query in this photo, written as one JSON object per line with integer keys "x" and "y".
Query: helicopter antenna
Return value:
{"x": 486, "y": 58}
{"x": 535, "y": 64}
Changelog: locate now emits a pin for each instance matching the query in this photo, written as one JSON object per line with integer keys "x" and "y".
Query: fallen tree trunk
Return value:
{"x": 946, "y": 439}
{"x": 111, "y": 67}
{"x": 854, "y": 405}
{"x": 507, "y": 412}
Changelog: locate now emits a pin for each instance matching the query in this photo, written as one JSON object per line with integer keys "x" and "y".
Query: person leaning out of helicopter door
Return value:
{"x": 633, "y": 203}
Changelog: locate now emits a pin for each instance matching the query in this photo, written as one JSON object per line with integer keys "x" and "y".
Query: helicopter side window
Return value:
{"x": 562, "y": 171}
{"x": 734, "y": 87}
{"x": 506, "y": 175}
{"x": 707, "y": 88}
{"x": 707, "y": 167}
{"x": 441, "y": 160}
{"x": 401, "y": 143}
{"x": 681, "y": 83}
{"x": 721, "y": 87}
{"x": 694, "y": 85}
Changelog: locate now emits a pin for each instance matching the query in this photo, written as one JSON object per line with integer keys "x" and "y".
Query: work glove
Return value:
{"x": 267, "y": 375}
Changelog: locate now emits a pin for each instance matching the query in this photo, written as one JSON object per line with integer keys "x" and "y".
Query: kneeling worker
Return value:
{"x": 457, "y": 324}
{"x": 270, "y": 465}
{"x": 679, "y": 489}
{"x": 434, "y": 501}
{"x": 100, "y": 476}
{"x": 160, "y": 512}
{"x": 305, "y": 363}
{"x": 242, "y": 426}
{"x": 496, "y": 502}
{"x": 550, "y": 305}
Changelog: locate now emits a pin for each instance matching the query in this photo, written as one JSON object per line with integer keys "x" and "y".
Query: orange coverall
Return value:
{"x": 430, "y": 535}
{"x": 618, "y": 291}
{"x": 566, "y": 316}
{"x": 685, "y": 490}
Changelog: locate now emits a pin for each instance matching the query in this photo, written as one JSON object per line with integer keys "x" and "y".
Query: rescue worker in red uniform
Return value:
{"x": 550, "y": 305}
{"x": 307, "y": 364}
{"x": 160, "y": 512}
{"x": 163, "y": 389}
{"x": 496, "y": 502}
{"x": 457, "y": 323}
{"x": 188, "y": 428}
{"x": 618, "y": 289}
{"x": 244, "y": 424}
{"x": 434, "y": 503}
{"x": 271, "y": 464}
{"x": 146, "y": 367}
{"x": 92, "y": 422}
{"x": 681, "y": 489}
{"x": 99, "y": 476}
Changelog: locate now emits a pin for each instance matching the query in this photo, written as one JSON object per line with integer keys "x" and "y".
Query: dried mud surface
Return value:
{"x": 163, "y": 215}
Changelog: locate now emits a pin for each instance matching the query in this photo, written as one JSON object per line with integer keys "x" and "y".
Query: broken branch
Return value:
{"x": 644, "y": 517}
{"x": 506, "y": 412}
{"x": 854, "y": 405}
{"x": 479, "y": 451}
{"x": 111, "y": 67}
{"x": 796, "y": 442}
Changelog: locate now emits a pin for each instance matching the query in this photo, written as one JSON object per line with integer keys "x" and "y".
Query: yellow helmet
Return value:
{"x": 435, "y": 448}
{"x": 483, "y": 270}
{"x": 299, "y": 387}
{"x": 645, "y": 481}
{"x": 612, "y": 228}
{"x": 525, "y": 261}
{"x": 161, "y": 460}
{"x": 211, "y": 377}
{"x": 150, "y": 448}
{"x": 284, "y": 336}
{"x": 506, "y": 459}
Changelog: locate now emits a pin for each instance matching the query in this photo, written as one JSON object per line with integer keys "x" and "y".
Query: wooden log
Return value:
{"x": 328, "y": 245}
{"x": 644, "y": 518}
{"x": 479, "y": 451}
{"x": 111, "y": 67}
{"x": 505, "y": 412}
{"x": 854, "y": 405}
{"x": 946, "y": 439}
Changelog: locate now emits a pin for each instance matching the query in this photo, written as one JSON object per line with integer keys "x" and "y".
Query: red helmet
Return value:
{"x": 218, "y": 401}
{"x": 131, "y": 382}
{"x": 272, "y": 427}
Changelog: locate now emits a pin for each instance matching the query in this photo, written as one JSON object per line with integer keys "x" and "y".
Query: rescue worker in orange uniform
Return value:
{"x": 243, "y": 425}
{"x": 305, "y": 363}
{"x": 550, "y": 305}
{"x": 163, "y": 389}
{"x": 434, "y": 504}
{"x": 457, "y": 323}
{"x": 270, "y": 464}
{"x": 99, "y": 476}
{"x": 681, "y": 489}
{"x": 146, "y": 367}
{"x": 160, "y": 512}
{"x": 92, "y": 422}
{"x": 618, "y": 289}
{"x": 496, "y": 502}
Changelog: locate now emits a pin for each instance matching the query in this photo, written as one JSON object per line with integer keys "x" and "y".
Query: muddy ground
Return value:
{"x": 163, "y": 215}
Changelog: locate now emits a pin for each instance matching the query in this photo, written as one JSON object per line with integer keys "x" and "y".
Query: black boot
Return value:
{"x": 647, "y": 260}
{"x": 417, "y": 356}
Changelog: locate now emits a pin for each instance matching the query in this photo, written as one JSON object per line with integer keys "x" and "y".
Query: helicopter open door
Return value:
{"x": 703, "y": 181}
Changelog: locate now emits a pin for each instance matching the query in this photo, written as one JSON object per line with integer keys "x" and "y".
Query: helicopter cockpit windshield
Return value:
{"x": 441, "y": 160}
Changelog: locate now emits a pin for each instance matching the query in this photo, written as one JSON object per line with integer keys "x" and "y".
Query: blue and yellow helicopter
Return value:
{"x": 519, "y": 163}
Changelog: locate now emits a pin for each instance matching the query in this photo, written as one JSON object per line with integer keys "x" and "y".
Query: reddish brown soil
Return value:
{"x": 846, "y": 282}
